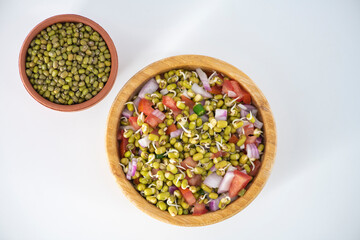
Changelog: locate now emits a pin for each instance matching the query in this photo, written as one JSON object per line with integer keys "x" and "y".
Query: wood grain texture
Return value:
{"x": 191, "y": 62}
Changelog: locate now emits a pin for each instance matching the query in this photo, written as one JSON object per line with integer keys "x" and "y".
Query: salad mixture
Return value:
{"x": 190, "y": 141}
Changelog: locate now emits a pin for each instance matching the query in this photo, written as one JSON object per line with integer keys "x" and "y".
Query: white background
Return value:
{"x": 55, "y": 181}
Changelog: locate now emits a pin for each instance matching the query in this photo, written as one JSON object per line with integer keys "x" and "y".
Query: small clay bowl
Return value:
{"x": 60, "y": 19}
{"x": 208, "y": 64}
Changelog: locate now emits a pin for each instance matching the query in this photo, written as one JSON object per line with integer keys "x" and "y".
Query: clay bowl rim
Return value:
{"x": 60, "y": 19}
{"x": 191, "y": 62}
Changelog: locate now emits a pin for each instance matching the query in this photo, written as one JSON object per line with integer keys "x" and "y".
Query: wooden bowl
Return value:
{"x": 191, "y": 62}
{"x": 59, "y": 19}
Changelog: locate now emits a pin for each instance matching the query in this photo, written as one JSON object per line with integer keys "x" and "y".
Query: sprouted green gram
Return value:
{"x": 190, "y": 143}
{"x": 68, "y": 63}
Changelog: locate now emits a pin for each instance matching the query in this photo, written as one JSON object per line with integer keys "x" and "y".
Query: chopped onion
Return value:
{"x": 185, "y": 93}
{"x": 252, "y": 109}
{"x": 172, "y": 189}
{"x": 243, "y": 113}
{"x": 204, "y": 118}
{"x": 252, "y": 151}
{"x": 126, "y": 113}
{"x": 164, "y": 91}
{"x": 257, "y": 123}
{"x": 127, "y": 127}
{"x": 213, "y": 169}
{"x": 176, "y": 133}
{"x": 204, "y": 79}
{"x": 225, "y": 183}
{"x": 199, "y": 90}
{"x": 221, "y": 114}
{"x": 150, "y": 87}
{"x": 231, "y": 168}
{"x": 214, "y": 204}
{"x": 160, "y": 115}
{"x": 137, "y": 101}
{"x": 144, "y": 142}
{"x": 213, "y": 180}
{"x": 131, "y": 169}
{"x": 258, "y": 140}
{"x": 231, "y": 94}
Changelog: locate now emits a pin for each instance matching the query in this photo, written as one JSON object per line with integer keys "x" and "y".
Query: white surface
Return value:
{"x": 55, "y": 181}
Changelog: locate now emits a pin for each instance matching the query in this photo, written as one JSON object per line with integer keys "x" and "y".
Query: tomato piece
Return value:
{"x": 233, "y": 139}
{"x": 188, "y": 162}
{"x": 218, "y": 154}
{"x": 188, "y": 102}
{"x": 155, "y": 131}
{"x": 239, "y": 181}
{"x": 227, "y": 86}
{"x": 119, "y": 135}
{"x": 171, "y": 129}
{"x": 123, "y": 143}
{"x": 145, "y": 106}
{"x": 188, "y": 196}
{"x": 249, "y": 129}
{"x": 244, "y": 96}
{"x": 250, "y": 139}
{"x": 199, "y": 209}
{"x": 195, "y": 180}
{"x": 152, "y": 120}
{"x": 133, "y": 123}
{"x": 216, "y": 90}
{"x": 257, "y": 164}
{"x": 169, "y": 102}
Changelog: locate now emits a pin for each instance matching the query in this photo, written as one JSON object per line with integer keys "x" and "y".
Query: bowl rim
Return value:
{"x": 191, "y": 62}
{"x": 60, "y": 19}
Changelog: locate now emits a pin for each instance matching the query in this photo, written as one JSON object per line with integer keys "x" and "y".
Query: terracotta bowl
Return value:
{"x": 191, "y": 62}
{"x": 68, "y": 18}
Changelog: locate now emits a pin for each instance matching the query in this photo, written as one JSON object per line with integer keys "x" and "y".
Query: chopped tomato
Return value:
{"x": 249, "y": 129}
{"x": 133, "y": 122}
{"x": 170, "y": 103}
{"x": 218, "y": 154}
{"x": 227, "y": 86}
{"x": 145, "y": 106}
{"x": 250, "y": 139}
{"x": 233, "y": 139}
{"x": 188, "y": 162}
{"x": 244, "y": 96}
{"x": 239, "y": 181}
{"x": 120, "y": 134}
{"x": 171, "y": 129}
{"x": 188, "y": 196}
{"x": 188, "y": 102}
{"x": 257, "y": 164}
{"x": 216, "y": 89}
{"x": 199, "y": 209}
{"x": 195, "y": 180}
{"x": 123, "y": 143}
{"x": 152, "y": 120}
{"x": 155, "y": 131}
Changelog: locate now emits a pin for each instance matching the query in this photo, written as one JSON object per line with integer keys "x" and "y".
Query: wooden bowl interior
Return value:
{"x": 191, "y": 62}
{"x": 60, "y": 19}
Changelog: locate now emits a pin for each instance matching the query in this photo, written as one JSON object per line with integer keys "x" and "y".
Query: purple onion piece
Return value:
{"x": 204, "y": 79}
{"x": 213, "y": 180}
{"x": 225, "y": 183}
{"x": 150, "y": 87}
{"x": 221, "y": 114}
{"x": 137, "y": 101}
{"x": 199, "y": 90}
{"x": 172, "y": 188}
{"x": 126, "y": 113}
{"x": 157, "y": 113}
{"x": 176, "y": 133}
